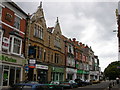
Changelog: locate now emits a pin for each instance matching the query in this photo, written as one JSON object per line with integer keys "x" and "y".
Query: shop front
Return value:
{"x": 79, "y": 74}
{"x": 71, "y": 73}
{"x": 42, "y": 73}
{"x": 57, "y": 73}
{"x": 84, "y": 75}
{"x": 12, "y": 70}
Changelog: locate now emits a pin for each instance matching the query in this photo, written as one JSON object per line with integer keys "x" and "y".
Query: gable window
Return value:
{"x": 17, "y": 22}
{"x": 15, "y": 45}
{"x": 57, "y": 42}
{"x": 38, "y": 31}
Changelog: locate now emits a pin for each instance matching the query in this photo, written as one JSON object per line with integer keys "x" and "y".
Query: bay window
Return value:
{"x": 15, "y": 45}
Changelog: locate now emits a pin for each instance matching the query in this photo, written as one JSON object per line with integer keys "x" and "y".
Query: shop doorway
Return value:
{"x": 70, "y": 76}
{"x": 42, "y": 76}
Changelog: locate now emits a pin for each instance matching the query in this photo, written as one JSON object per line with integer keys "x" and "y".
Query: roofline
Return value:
{"x": 16, "y": 6}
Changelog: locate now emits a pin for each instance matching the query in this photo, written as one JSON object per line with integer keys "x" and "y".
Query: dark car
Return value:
{"x": 69, "y": 84}
{"x": 35, "y": 86}
{"x": 82, "y": 83}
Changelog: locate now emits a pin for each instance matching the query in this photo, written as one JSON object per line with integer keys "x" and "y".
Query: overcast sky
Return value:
{"x": 91, "y": 23}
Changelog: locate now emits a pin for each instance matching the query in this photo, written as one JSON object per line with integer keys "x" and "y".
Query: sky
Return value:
{"x": 89, "y": 21}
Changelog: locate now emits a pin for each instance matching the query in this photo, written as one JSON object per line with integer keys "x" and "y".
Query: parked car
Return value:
{"x": 55, "y": 85}
{"x": 95, "y": 81}
{"x": 87, "y": 82}
{"x": 30, "y": 86}
{"x": 80, "y": 82}
{"x": 35, "y": 86}
{"x": 69, "y": 84}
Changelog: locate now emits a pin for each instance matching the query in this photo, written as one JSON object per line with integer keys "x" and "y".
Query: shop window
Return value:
{"x": 5, "y": 78}
{"x": 38, "y": 31}
{"x": 15, "y": 45}
{"x": 8, "y": 17}
{"x": 17, "y": 22}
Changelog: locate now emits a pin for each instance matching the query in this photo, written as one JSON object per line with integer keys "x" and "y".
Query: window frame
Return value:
{"x": 1, "y": 39}
{"x": 12, "y": 45}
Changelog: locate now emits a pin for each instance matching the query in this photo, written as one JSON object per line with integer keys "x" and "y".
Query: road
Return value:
{"x": 100, "y": 86}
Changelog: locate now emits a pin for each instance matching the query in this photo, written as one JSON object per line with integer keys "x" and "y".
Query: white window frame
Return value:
{"x": 11, "y": 50}
{"x": 1, "y": 40}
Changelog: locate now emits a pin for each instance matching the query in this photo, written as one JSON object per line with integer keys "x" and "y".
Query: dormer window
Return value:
{"x": 57, "y": 42}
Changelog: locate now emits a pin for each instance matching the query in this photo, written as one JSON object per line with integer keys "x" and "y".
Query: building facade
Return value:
{"x": 30, "y": 50}
{"x": 12, "y": 34}
{"x": 44, "y": 48}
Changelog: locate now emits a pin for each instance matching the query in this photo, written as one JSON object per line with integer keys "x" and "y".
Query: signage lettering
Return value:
{"x": 6, "y": 58}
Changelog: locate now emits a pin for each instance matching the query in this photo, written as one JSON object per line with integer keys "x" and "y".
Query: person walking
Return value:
{"x": 117, "y": 80}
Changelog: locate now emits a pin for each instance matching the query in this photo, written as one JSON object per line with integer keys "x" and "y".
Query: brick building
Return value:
{"x": 12, "y": 34}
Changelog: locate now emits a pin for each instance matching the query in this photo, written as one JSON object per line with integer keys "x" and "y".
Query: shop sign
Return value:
{"x": 70, "y": 70}
{"x": 57, "y": 69}
{"x": 6, "y": 58}
{"x": 32, "y": 61}
{"x": 26, "y": 68}
{"x": 79, "y": 71}
{"x": 5, "y": 43}
{"x": 41, "y": 66}
{"x": 31, "y": 66}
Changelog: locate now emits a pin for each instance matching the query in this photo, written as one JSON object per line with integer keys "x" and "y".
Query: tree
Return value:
{"x": 113, "y": 70}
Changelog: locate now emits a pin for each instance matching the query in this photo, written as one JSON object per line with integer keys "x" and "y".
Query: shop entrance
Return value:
{"x": 42, "y": 76}
{"x": 69, "y": 76}
{"x": 10, "y": 75}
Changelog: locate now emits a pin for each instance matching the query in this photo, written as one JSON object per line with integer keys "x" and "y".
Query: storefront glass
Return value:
{"x": 11, "y": 75}
{"x": 57, "y": 74}
{"x": 42, "y": 76}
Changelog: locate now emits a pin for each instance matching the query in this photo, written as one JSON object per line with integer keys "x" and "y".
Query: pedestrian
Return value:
{"x": 117, "y": 80}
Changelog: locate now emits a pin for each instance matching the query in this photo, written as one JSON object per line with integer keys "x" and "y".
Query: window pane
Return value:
{"x": 16, "y": 46}
{"x": 17, "y": 23}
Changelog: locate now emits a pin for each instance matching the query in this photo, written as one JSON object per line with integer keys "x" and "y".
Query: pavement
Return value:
{"x": 113, "y": 86}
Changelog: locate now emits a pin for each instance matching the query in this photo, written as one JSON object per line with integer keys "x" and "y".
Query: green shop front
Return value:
{"x": 11, "y": 69}
{"x": 57, "y": 73}
{"x": 83, "y": 74}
